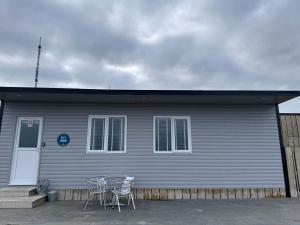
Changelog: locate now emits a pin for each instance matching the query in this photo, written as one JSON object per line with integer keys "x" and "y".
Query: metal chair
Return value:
{"x": 131, "y": 180}
{"x": 123, "y": 190}
{"x": 97, "y": 187}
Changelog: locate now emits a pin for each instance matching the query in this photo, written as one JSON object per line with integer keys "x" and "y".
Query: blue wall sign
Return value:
{"x": 63, "y": 140}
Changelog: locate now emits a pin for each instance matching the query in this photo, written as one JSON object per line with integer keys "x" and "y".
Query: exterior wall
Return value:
{"x": 6, "y": 147}
{"x": 233, "y": 146}
{"x": 290, "y": 125}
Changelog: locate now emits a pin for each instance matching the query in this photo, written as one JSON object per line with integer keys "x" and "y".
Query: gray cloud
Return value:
{"x": 153, "y": 44}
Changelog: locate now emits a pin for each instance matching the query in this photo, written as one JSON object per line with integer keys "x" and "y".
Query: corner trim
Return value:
{"x": 1, "y": 113}
{"x": 283, "y": 155}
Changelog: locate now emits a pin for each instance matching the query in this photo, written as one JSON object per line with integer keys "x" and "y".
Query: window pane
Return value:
{"x": 29, "y": 133}
{"x": 97, "y": 134}
{"x": 116, "y": 134}
{"x": 163, "y": 134}
{"x": 181, "y": 134}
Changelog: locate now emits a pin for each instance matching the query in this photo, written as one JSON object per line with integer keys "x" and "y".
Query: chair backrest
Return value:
{"x": 130, "y": 179}
{"x": 102, "y": 185}
{"x": 124, "y": 187}
{"x": 97, "y": 184}
{"x": 92, "y": 185}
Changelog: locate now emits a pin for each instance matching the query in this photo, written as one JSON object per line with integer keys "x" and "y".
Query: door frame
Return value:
{"x": 16, "y": 139}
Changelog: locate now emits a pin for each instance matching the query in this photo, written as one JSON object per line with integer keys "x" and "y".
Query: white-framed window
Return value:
{"x": 106, "y": 133}
{"x": 172, "y": 134}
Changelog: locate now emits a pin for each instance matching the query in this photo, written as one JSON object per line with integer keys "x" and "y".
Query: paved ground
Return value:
{"x": 204, "y": 212}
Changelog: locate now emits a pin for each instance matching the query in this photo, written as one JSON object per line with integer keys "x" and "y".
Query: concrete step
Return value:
{"x": 21, "y": 202}
{"x": 17, "y": 191}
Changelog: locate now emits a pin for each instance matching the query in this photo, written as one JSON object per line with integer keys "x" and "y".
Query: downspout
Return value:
{"x": 283, "y": 155}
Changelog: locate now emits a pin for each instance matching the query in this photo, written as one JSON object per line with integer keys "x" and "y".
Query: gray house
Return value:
{"x": 167, "y": 139}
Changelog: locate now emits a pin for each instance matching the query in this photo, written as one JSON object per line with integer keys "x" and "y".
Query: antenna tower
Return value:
{"x": 38, "y": 64}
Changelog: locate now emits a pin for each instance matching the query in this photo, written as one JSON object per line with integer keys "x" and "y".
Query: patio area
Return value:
{"x": 204, "y": 212}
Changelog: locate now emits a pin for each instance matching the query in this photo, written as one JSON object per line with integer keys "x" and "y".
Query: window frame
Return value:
{"x": 173, "y": 150}
{"x": 106, "y": 130}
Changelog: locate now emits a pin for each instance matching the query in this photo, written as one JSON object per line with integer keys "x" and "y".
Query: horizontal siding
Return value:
{"x": 233, "y": 146}
{"x": 6, "y": 144}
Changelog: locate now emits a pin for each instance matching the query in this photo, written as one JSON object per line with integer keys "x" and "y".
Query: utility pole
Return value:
{"x": 38, "y": 64}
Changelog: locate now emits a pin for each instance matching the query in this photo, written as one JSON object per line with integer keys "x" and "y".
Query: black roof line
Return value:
{"x": 146, "y": 92}
{"x": 289, "y": 114}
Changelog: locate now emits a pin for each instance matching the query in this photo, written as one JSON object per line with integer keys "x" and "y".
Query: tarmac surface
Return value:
{"x": 177, "y": 212}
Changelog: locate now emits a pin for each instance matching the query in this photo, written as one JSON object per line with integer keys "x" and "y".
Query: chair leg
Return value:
{"x": 118, "y": 202}
{"x": 104, "y": 200}
{"x": 113, "y": 201}
{"x": 87, "y": 202}
{"x": 131, "y": 196}
{"x": 128, "y": 199}
{"x": 100, "y": 198}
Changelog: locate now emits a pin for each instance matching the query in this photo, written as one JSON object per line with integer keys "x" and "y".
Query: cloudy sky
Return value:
{"x": 201, "y": 44}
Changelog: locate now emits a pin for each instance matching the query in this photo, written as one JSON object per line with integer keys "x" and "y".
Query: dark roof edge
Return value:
{"x": 289, "y": 114}
{"x": 147, "y": 92}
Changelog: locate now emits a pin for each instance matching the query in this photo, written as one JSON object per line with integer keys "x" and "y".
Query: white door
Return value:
{"x": 25, "y": 162}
